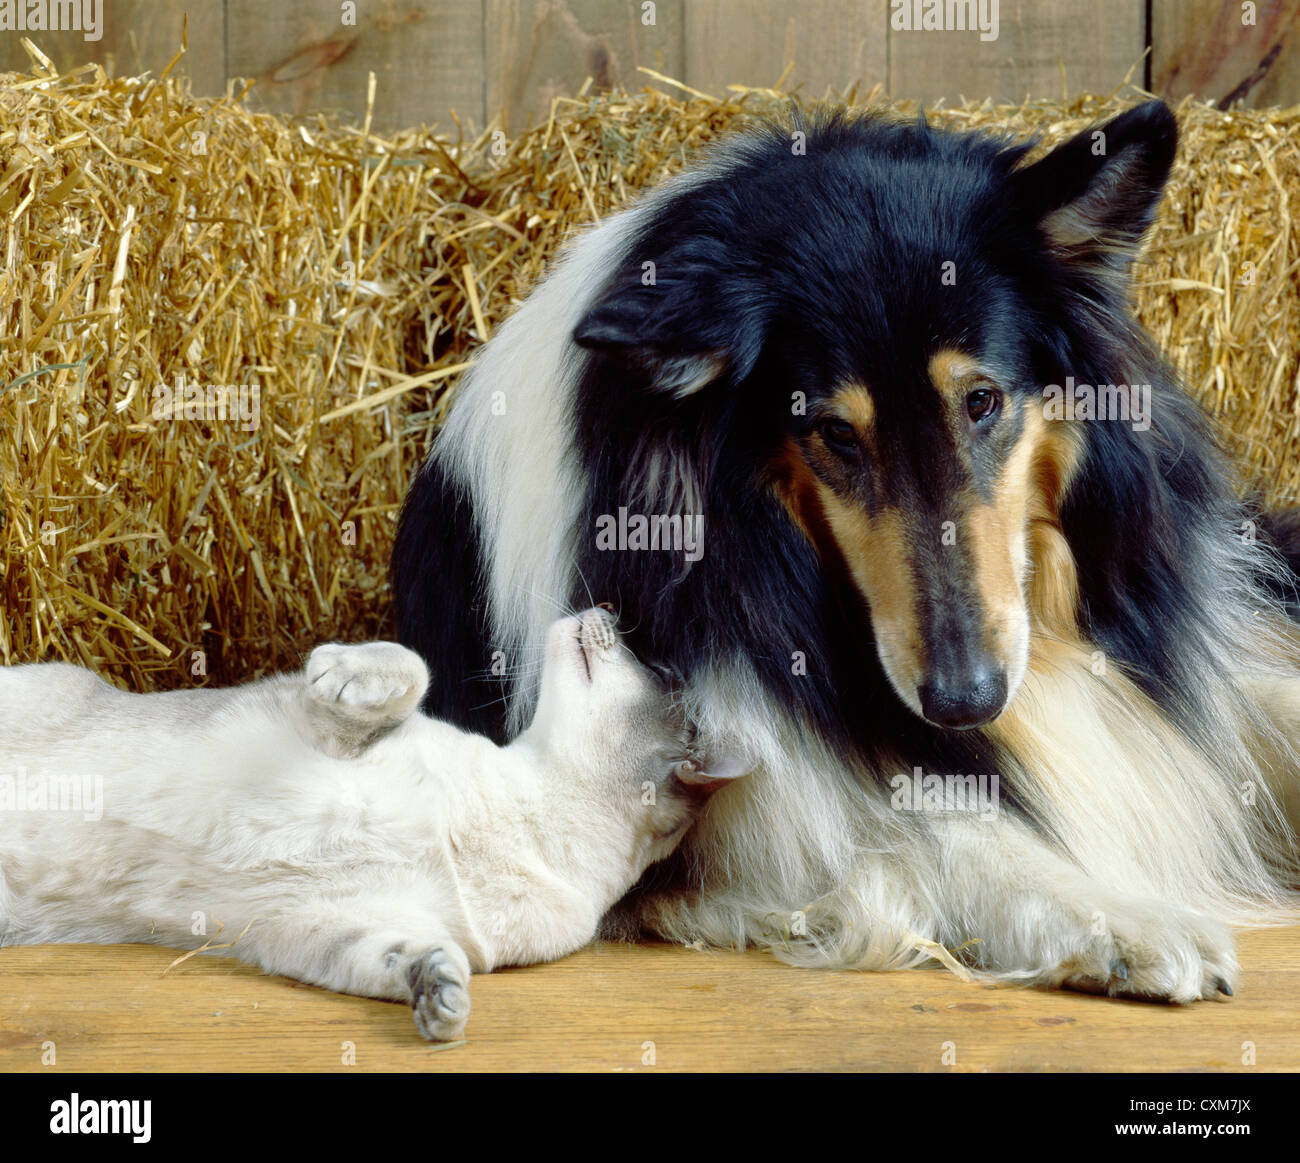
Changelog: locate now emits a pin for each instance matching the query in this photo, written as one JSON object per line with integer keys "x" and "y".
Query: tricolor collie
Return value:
{"x": 959, "y": 531}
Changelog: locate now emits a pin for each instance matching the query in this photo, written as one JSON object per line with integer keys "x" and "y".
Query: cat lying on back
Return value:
{"x": 374, "y": 851}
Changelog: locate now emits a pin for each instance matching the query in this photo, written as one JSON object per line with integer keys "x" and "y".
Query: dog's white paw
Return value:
{"x": 439, "y": 980}
{"x": 1151, "y": 952}
{"x": 380, "y": 678}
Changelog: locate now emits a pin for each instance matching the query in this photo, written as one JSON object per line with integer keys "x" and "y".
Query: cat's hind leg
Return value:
{"x": 370, "y": 948}
{"x": 439, "y": 983}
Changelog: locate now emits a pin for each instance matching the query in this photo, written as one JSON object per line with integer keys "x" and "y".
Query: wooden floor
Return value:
{"x": 620, "y": 1008}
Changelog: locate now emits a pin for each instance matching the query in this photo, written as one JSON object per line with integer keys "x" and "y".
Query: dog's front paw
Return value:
{"x": 379, "y": 680}
{"x": 439, "y": 980}
{"x": 1151, "y": 952}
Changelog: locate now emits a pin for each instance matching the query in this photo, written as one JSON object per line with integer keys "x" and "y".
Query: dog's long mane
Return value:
{"x": 1133, "y": 746}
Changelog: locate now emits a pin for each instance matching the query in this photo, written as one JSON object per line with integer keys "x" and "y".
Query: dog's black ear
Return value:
{"x": 1094, "y": 197}
{"x": 687, "y": 321}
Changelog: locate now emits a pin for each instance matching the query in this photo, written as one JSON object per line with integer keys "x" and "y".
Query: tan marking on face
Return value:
{"x": 1017, "y": 541}
{"x": 1022, "y": 561}
{"x": 950, "y": 372}
{"x": 1054, "y": 577}
{"x": 953, "y": 373}
{"x": 875, "y": 551}
{"x": 795, "y": 485}
{"x": 868, "y": 555}
{"x": 854, "y": 403}
{"x": 999, "y": 553}
{"x": 998, "y": 530}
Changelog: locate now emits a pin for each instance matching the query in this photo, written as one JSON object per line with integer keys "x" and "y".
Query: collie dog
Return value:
{"x": 855, "y": 427}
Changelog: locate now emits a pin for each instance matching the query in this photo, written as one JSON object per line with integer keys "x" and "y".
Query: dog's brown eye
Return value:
{"x": 982, "y": 403}
{"x": 839, "y": 435}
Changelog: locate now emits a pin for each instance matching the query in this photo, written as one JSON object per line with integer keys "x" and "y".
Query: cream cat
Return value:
{"x": 367, "y": 848}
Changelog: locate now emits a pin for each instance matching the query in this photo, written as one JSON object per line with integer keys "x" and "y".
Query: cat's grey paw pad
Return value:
{"x": 439, "y": 994}
{"x": 370, "y": 676}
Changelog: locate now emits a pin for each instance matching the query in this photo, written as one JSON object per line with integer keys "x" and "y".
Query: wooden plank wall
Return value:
{"x": 439, "y": 60}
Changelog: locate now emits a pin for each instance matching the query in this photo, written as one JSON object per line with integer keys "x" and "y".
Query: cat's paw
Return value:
{"x": 1153, "y": 953}
{"x": 373, "y": 680}
{"x": 439, "y": 980}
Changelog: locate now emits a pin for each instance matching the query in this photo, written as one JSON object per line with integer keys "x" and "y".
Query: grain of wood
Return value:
{"x": 537, "y": 50}
{"x": 427, "y": 56}
{"x": 629, "y": 1008}
{"x": 509, "y": 59}
{"x": 1225, "y": 51}
{"x": 831, "y": 44}
{"x": 1044, "y": 48}
{"x": 137, "y": 36}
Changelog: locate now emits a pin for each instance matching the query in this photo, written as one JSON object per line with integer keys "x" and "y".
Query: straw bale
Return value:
{"x": 155, "y": 240}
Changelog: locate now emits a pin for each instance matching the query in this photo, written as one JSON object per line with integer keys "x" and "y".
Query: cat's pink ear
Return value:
{"x": 713, "y": 771}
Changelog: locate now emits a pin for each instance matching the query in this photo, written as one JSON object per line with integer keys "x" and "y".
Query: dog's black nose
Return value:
{"x": 961, "y": 702}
